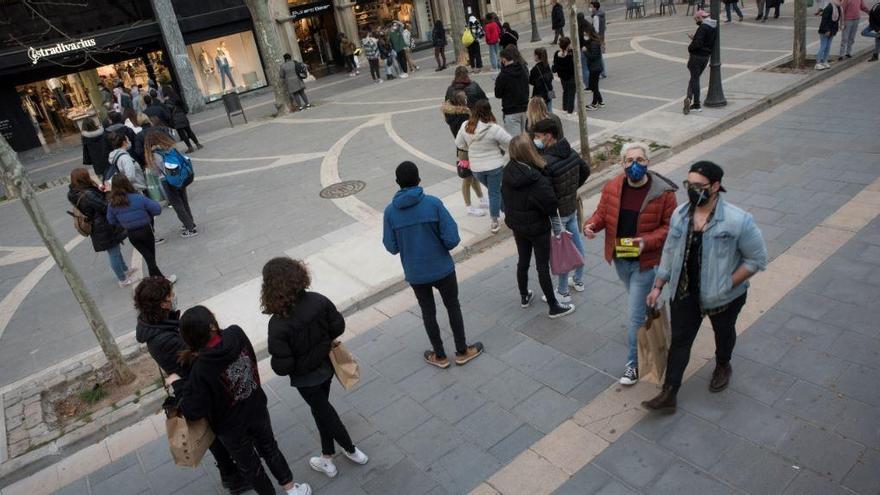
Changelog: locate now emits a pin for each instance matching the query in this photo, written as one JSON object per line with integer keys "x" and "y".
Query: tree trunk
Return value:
{"x": 186, "y": 78}
{"x": 270, "y": 46}
{"x": 457, "y": 25}
{"x": 90, "y": 81}
{"x": 536, "y": 36}
{"x": 11, "y": 168}
{"x": 581, "y": 97}
{"x": 799, "y": 48}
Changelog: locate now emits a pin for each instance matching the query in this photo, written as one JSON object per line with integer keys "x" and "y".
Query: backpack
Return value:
{"x": 81, "y": 222}
{"x": 302, "y": 71}
{"x": 113, "y": 169}
{"x": 178, "y": 169}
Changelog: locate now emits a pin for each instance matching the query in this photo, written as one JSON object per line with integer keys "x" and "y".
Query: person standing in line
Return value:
{"x": 438, "y": 40}
{"x": 538, "y": 111}
{"x": 712, "y": 250}
{"x": 224, "y": 387}
{"x": 485, "y": 143}
{"x": 158, "y": 326}
{"x": 409, "y": 43}
{"x": 508, "y": 36}
{"x": 563, "y": 66}
{"x": 583, "y": 33}
{"x": 732, "y": 4}
{"x": 155, "y": 108}
{"x": 346, "y": 47}
{"x": 456, "y": 113}
{"x": 90, "y": 201}
{"x": 134, "y": 212}
{"x": 293, "y": 75}
{"x": 594, "y": 62}
{"x": 475, "y": 58}
{"x": 872, "y": 30}
{"x": 159, "y": 145}
{"x": 493, "y": 37}
{"x": 302, "y": 329}
{"x": 530, "y": 202}
{"x": 462, "y": 82}
{"x": 828, "y": 26}
{"x": 599, "y": 25}
{"x": 636, "y": 204}
{"x": 567, "y": 172}
{"x": 771, "y": 4}
{"x": 419, "y": 228}
{"x": 760, "y": 5}
{"x": 387, "y": 54}
{"x": 179, "y": 119}
{"x": 399, "y": 47}
{"x": 541, "y": 78}
{"x": 121, "y": 161}
{"x": 557, "y": 21}
{"x": 371, "y": 51}
{"x": 512, "y": 88}
{"x": 699, "y": 50}
{"x": 96, "y": 148}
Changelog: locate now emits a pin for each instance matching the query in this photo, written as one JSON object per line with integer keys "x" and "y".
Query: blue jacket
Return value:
{"x": 732, "y": 239}
{"x": 138, "y": 213}
{"x": 421, "y": 229}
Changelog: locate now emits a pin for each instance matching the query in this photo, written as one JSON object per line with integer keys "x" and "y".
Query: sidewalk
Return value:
{"x": 540, "y": 411}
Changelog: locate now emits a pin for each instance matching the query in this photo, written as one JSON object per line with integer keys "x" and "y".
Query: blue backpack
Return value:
{"x": 178, "y": 169}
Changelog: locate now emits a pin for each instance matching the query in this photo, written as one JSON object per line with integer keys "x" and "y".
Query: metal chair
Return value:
{"x": 635, "y": 8}
{"x": 667, "y": 7}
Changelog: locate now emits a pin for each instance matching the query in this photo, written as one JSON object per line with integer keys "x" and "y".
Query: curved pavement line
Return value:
{"x": 350, "y": 205}
{"x": 635, "y": 43}
{"x": 21, "y": 254}
{"x": 389, "y": 128}
{"x": 347, "y": 118}
{"x": 734, "y": 49}
{"x": 385, "y": 102}
{"x": 251, "y": 158}
{"x": 281, "y": 162}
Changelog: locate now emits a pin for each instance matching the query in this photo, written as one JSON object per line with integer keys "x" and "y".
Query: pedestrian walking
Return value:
{"x": 158, "y": 327}
{"x": 95, "y": 146}
{"x": 409, "y": 43}
{"x": 399, "y": 47}
{"x": 121, "y": 161}
{"x": 872, "y": 30}
{"x": 462, "y": 82}
{"x": 538, "y": 111}
{"x": 371, "y": 51}
{"x": 302, "y": 330}
{"x": 567, "y": 172}
{"x": 159, "y": 159}
{"x": 634, "y": 211}
{"x": 485, "y": 143}
{"x": 134, "y": 212}
{"x": 529, "y": 203}
{"x": 438, "y": 40}
{"x": 512, "y": 88}
{"x": 84, "y": 194}
{"x": 771, "y": 4}
{"x": 508, "y": 36}
{"x": 699, "y": 50}
{"x": 419, "y": 228}
{"x": 293, "y": 74}
{"x": 224, "y": 387}
{"x": 541, "y": 78}
{"x": 593, "y": 52}
{"x": 557, "y": 21}
{"x": 346, "y": 47}
{"x": 713, "y": 248}
{"x": 493, "y": 38}
{"x": 599, "y": 25}
{"x": 179, "y": 120}
{"x": 475, "y": 59}
{"x": 456, "y": 113}
{"x": 563, "y": 66}
{"x": 734, "y": 5}
{"x": 828, "y": 26}
{"x": 759, "y": 4}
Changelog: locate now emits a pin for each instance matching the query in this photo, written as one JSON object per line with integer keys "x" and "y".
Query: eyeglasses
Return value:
{"x": 697, "y": 186}
{"x": 628, "y": 160}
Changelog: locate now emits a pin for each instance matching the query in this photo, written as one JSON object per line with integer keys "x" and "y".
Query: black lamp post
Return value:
{"x": 715, "y": 96}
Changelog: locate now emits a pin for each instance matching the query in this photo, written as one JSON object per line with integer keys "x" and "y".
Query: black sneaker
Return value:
{"x": 601, "y": 105}
{"x": 561, "y": 310}
{"x": 526, "y": 300}
{"x": 189, "y": 233}
{"x": 873, "y": 58}
{"x": 630, "y": 375}
{"x": 696, "y": 108}
{"x": 848, "y": 55}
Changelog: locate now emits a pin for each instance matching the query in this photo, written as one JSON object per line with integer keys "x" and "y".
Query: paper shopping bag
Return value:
{"x": 344, "y": 365}
{"x": 188, "y": 440}
{"x": 653, "y": 345}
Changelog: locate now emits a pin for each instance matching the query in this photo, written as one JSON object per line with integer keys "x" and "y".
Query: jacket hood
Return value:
{"x": 92, "y": 134}
{"x": 712, "y": 23}
{"x": 520, "y": 175}
{"x": 659, "y": 185}
{"x": 227, "y": 351}
{"x": 515, "y": 69}
{"x": 115, "y": 153}
{"x": 562, "y": 149}
{"x": 407, "y": 198}
{"x": 145, "y": 332}
{"x": 449, "y": 109}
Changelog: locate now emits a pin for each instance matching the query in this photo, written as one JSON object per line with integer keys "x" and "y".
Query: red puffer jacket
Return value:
{"x": 653, "y": 224}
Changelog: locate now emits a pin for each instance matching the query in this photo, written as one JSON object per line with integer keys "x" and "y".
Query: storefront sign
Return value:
{"x": 36, "y": 54}
{"x": 309, "y": 9}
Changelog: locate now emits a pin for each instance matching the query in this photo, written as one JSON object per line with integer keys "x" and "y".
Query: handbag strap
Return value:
{"x": 544, "y": 81}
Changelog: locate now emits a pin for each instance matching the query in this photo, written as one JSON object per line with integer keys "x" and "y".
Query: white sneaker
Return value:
{"x": 131, "y": 271}
{"x": 484, "y": 202}
{"x": 476, "y": 212}
{"x": 357, "y": 457}
{"x": 171, "y": 278}
{"x": 560, "y": 298}
{"x": 819, "y": 67}
{"x": 300, "y": 489}
{"x": 579, "y": 286}
{"x": 404, "y": 75}
{"x": 323, "y": 465}
{"x": 827, "y": 65}
{"x": 128, "y": 281}
{"x": 494, "y": 227}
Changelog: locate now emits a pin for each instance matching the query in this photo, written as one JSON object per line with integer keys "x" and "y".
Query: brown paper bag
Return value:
{"x": 344, "y": 365}
{"x": 188, "y": 440}
{"x": 653, "y": 345}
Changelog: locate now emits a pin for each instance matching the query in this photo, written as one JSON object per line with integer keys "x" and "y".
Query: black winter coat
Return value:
{"x": 529, "y": 200}
{"x": 827, "y": 24}
{"x": 541, "y": 79}
{"x": 472, "y": 90}
{"x": 93, "y": 205}
{"x": 564, "y": 66}
{"x": 567, "y": 172}
{"x": 508, "y": 37}
{"x": 454, "y": 116}
{"x": 96, "y": 151}
{"x": 158, "y": 109}
{"x": 438, "y": 37}
{"x": 300, "y": 342}
{"x": 703, "y": 42}
{"x": 164, "y": 343}
{"x": 594, "y": 56}
{"x": 178, "y": 112}
{"x": 512, "y": 88}
{"x": 557, "y": 17}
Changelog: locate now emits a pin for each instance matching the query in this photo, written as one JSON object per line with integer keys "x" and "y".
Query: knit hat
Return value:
{"x": 700, "y": 15}
{"x": 407, "y": 175}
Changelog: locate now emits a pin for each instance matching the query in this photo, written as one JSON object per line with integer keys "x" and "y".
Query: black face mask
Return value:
{"x": 699, "y": 197}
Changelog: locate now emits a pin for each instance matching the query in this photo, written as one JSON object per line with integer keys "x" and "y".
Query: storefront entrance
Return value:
{"x": 317, "y": 34}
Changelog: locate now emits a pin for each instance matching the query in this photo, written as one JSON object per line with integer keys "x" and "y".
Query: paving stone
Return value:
{"x": 814, "y": 366}
{"x": 464, "y": 468}
{"x": 808, "y": 305}
{"x": 819, "y": 450}
{"x": 755, "y": 380}
{"x": 343, "y": 486}
{"x": 591, "y": 387}
{"x": 593, "y": 480}
{"x": 810, "y": 483}
{"x": 634, "y": 460}
{"x": 118, "y": 466}
{"x": 384, "y": 454}
{"x": 859, "y": 423}
{"x": 131, "y": 480}
{"x": 479, "y": 371}
{"x": 374, "y": 396}
{"x": 515, "y": 443}
{"x": 400, "y": 365}
{"x": 610, "y": 358}
{"x": 79, "y": 487}
{"x": 696, "y": 440}
{"x": 762, "y": 347}
{"x": 754, "y": 469}
{"x": 297, "y": 442}
{"x": 858, "y": 348}
{"x": 756, "y": 421}
{"x": 563, "y": 373}
{"x": 400, "y": 417}
{"x": 817, "y": 335}
{"x": 814, "y": 403}
{"x": 865, "y": 475}
{"x": 500, "y": 339}
{"x": 578, "y": 342}
{"x": 403, "y": 477}
{"x": 201, "y": 486}
{"x": 427, "y": 383}
{"x": 430, "y": 441}
{"x": 529, "y": 356}
{"x": 509, "y": 389}
{"x": 546, "y": 409}
{"x": 489, "y": 425}
{"x": 455, "y": 403}
{"x": 683, "y": 478}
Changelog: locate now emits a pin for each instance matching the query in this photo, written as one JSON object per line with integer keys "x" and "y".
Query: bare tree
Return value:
{"x": 799, "y": 48}
{"x": 186, "y": 78}
{"x": 458, "y": 23}
{"x": 270, "y": 46}
{"x": 581, "y": 99}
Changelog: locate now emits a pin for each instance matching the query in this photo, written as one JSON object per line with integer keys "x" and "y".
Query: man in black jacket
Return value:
{"x": 567, "y": 172}
{"x": 155, "y": 108}
{"x": 115, "y": 126}
{"x": 557, "y": 20}
{"x": 700, "y": 49}
{"x": 512, "y": 88}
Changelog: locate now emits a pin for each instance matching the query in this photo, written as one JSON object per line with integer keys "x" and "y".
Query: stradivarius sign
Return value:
{"x": 36, "y": 54}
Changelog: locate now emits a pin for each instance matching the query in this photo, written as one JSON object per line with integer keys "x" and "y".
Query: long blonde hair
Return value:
{"x": 522, "y": 150}
{"x": 156, "y": 139}
{"x": 536, "y": 111}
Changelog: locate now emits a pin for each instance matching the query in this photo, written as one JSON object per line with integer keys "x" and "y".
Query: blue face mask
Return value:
{"x": 538, "y": 143}
{"x": 636, "y": 171}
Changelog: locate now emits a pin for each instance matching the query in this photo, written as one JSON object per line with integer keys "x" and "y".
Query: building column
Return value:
{"x": 421, "y": 18}
{"x": 176, "y": 54}
{"x": 343, "y": 12}
{"x": 281, "y": 13}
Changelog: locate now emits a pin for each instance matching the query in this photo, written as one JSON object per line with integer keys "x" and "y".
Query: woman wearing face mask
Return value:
{"x": 541, "y": 78}
{"x": 635, "y": 205}
{"x": 712, "y": 250}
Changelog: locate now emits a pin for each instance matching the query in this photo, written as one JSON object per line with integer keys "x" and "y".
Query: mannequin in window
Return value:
{"x": 224, "y": 65}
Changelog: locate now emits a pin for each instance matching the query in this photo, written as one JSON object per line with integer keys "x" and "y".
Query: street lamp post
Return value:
{"x": 535, "y": 35}
{"x": 715, "y": 96}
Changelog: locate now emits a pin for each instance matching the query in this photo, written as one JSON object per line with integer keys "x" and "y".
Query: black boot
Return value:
{"x": 664, "y": 402}
{"x": 234, "y": 482}
{"x": 720, "y": 377}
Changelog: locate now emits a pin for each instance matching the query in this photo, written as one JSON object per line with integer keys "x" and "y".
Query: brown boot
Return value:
{"x": 664, "y": 403}
{"x": 720, "y": 377}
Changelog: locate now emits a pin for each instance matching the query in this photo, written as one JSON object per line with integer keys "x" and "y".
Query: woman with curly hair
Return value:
{"x": 302, "y": 329}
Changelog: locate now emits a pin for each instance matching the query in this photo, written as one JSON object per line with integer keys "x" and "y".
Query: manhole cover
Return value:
{"x": 342, "y": 189}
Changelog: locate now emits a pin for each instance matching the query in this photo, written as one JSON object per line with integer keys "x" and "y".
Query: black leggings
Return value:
{"x": 330, "y": 427}
{"x": 696, "y": 65}
{"x": 594, "y": 86}
{"x": 143, "y": 240}
{"x": 401, "y": 60}
{"x": 541, "y": 246}
{"x": 568, "y": 93}
{"x": 448, "y": 287}
{"x": 186, "y": 134}
{"x": 474, "y": 57}
{"x": 374, "y": 68}
{"x": 440, "y": 54}
{"x": 251, "y": 441}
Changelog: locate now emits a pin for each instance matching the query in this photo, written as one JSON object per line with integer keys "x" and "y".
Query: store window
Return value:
{"x": 226, "y": 64}
{"x": 379, "y": 14}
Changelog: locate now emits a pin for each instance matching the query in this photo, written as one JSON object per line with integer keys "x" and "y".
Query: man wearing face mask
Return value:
{"x": 712, "y": 250}
{"x": 634, "y": 210}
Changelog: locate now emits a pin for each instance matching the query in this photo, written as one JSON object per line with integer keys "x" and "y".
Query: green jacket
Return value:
{"x": 396, "y": 39}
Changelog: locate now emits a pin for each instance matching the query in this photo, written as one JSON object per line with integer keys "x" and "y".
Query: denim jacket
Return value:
{"x": 730, "y": 240}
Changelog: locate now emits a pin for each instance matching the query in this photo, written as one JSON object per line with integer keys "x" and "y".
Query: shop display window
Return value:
{"x": 226, "y": 64}
{"x": 380, "y": 14}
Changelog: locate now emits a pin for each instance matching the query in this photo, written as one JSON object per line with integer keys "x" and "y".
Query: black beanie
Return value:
{"x": 407, "y": 175}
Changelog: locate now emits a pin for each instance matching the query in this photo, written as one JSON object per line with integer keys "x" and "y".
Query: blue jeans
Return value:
{"x": 493, "y": 56}
{"x": 871, "y": 34}
{"x": 117, "y": 262}
{"x": 585, "y": 69}
{"x": 571, "y": 224}
{"x": 492, "y": 181}
{"x": 735, "y": 7}
{"x": 638, "y": 284}
{"x": 824, "y": 48}
{"x": 549, "y": 105}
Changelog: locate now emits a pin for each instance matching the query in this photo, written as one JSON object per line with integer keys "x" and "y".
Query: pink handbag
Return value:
{"x": 564, "y": 255}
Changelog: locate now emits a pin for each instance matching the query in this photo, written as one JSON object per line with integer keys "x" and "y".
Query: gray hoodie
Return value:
{"x": 129, "y": 167}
